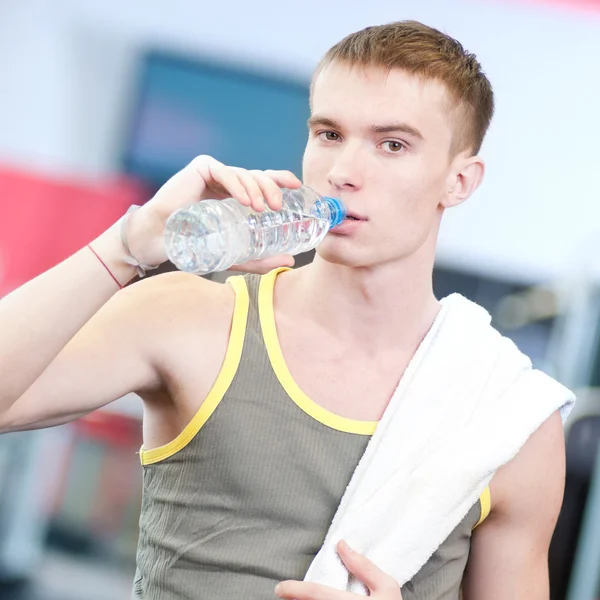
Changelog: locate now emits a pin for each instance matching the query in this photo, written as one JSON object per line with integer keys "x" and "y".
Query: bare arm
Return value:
{"x": 49, "y": 372}
{"x": 114, "y": 353}
{"x": 38, "y": 319}
{"x": 509, "y": 551}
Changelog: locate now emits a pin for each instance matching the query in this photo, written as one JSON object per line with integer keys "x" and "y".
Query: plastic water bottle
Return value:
{"x": 214, "y": 235}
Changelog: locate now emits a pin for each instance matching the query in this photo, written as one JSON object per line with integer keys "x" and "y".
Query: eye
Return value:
{"x": 393, "y": 146}
{"x": 328, "y": 136}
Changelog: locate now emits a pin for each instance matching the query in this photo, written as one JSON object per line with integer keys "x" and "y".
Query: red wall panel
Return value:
{"x": 45, "y": 220}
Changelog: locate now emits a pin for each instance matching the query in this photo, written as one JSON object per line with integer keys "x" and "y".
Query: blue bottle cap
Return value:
{"x": 337, "y": 211}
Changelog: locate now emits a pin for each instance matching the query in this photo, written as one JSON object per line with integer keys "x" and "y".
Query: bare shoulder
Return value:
{"x": 152, "y": 315}
{"x": 181, "y": 318}
{"x": 532, "y": 483}
{"x": 166, "y": 294}
{"x": 173, "y": 306}
{"x": 191, "y": 320}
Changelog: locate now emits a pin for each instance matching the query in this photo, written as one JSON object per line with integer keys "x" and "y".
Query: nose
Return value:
{"x": 345, "y": 172}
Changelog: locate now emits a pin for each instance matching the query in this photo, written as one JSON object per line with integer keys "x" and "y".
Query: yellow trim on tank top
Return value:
{"x": 222, "y": 383}
{"x": 311, "y": 408}
{"x": 486, "y": 505}
{"x": 269, "y": 329}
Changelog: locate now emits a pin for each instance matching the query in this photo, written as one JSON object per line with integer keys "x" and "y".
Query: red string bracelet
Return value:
{"x": 104, "y": 265}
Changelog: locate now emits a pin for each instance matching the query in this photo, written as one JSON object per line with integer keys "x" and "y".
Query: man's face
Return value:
{"x": 380, "y": 142}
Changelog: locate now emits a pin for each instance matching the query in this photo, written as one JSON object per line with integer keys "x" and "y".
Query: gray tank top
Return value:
{"x": 244, "y": 496}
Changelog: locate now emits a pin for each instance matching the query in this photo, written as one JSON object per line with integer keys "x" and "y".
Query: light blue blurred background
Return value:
{"x": 93, "y": 91}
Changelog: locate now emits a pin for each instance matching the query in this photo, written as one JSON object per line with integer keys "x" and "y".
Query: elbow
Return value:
{"x": 6, "y": 426}
{"x": 12, "y": 419}
{"x": 7, "y": 422}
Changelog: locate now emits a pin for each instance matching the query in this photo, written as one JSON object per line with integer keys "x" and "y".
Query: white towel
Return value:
{"x": 466, "y": 404}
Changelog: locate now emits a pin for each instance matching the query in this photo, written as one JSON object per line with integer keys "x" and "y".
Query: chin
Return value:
{"x": 339, "y": 253}
{"x": 350, "y": 253}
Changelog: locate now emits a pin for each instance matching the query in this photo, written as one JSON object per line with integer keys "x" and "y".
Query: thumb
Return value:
{"x": 366, "y": 571}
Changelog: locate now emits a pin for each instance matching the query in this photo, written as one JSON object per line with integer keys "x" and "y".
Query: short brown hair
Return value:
{"x": 428, "y": 53}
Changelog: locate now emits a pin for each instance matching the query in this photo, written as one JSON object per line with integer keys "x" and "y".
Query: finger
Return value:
{"x": 252, "y": 188}
{"x": 227, "y": 178}
{"x": 283, "y": 178}
{"x": 270, "y": 190}
{"x": 265, "y": 265}
{"x": 365, "y": 570}
{"x": 304, "y": 590}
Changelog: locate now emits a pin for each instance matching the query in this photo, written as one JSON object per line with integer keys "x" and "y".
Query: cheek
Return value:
{"x": 414, "y": 199}
{"x": 425, "y": 184}
{"x": 313, "y": 162}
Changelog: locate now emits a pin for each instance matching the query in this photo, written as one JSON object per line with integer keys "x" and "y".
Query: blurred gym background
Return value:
{"x": 100, "y": 102}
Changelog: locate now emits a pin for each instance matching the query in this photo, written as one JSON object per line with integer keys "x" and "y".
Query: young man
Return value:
{"x": 260, "y": 395}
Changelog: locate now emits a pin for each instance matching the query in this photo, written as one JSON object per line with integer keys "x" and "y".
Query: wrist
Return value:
{"x": 127, "y": 232}
{"x": 110, "y": 251}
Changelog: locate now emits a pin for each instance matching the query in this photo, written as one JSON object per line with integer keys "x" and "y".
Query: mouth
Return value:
{"x": 345, "y": 226}
{"x": 354, "y": 217}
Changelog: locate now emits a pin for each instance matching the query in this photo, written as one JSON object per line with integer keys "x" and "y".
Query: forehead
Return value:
{"x": 359, "y": 96}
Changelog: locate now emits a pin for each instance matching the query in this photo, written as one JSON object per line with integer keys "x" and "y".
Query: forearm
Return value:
{"x": 39, "y": 318}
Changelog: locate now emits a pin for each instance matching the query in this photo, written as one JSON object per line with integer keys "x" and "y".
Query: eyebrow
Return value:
{"x": 401, "y": 127}
{"x": 315, "y": 121}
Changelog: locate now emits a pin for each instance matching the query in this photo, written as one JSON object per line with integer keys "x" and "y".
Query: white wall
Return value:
{"x": 67, "y": 72}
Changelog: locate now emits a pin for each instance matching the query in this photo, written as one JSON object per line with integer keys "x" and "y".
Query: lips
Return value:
{"x": 349, "y": 225}
{"x": 354, "y": 217}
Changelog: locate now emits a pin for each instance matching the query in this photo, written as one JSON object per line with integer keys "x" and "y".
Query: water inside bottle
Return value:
{"x": 284, "y": 232}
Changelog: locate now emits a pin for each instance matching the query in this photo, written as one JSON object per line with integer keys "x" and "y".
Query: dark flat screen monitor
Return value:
{"x": 185, "y": 107}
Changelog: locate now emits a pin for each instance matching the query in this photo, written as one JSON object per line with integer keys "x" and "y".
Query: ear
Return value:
{"x": 466, "y": 177}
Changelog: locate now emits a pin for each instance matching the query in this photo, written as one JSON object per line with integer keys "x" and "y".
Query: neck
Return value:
{"x": 379, "y": 308}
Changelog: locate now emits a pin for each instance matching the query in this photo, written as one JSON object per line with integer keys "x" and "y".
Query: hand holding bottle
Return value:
{"x": 206, "y": 178}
